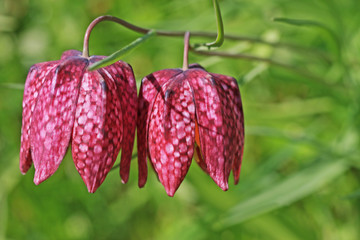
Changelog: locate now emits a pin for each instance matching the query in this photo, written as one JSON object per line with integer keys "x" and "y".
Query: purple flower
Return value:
{"x": 190, "y": 113}
{"x": 95, "y": 111}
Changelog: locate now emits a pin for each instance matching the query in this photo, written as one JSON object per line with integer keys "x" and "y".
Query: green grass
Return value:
{"x": 301, "y": 169}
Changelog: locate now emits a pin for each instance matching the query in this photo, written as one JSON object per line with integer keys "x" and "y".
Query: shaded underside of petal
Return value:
{"x": 53, "y": 117}
{"x": 231, "y": 91}
{"x": 97, "y": 129}
{"x": 122, "y": 75}
{"x": 172, "y": 133}
{"x": 210, "y": 117}
{"x": 150, "y": 87}
{"x": 38, "y": 74}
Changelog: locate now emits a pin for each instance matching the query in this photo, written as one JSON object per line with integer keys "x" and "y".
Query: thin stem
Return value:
{"x": 335, "y": 89}
{"x": 311, "y": 23}
{"x": 108, "y": 18}
{"x": 194, "y": 34}
{"x": 266, "y": 60}
{"x": 186, "y": 51}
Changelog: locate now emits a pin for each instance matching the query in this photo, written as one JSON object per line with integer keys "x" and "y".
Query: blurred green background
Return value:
{"x": 301, "y": 169}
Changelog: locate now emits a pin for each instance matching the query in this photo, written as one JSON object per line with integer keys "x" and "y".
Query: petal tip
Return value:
{"x": 225, "y": 188}
{"x": 124, "y": 177}
{"x": 23, "y": 171}
{"x": 142, "y": 178}
{"x": 39, "y": 177}
{"x": 142, "y": 183}
{"x": 223, "y": 184}
{"x": 36, "y": 181}
{"x": 171, "y": 189}
{"x": 92, "y": 183}
{"x": 92, "y": 188}
{"x": 170, "y": 192}
{"x": 236, "y": 181}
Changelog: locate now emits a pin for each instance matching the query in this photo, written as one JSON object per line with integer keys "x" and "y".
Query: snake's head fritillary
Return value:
{"x": 95, "y": 111}
{"x": 190, "y": 113}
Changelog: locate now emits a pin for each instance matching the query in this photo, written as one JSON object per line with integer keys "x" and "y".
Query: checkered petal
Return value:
{"x": 212, "y": 117}
{"x": 122, "y": 75}
{"x": 230, "y": 96}
{"x": 171, "y": 133}
{"x": 53, "y": 117}
{"x": 98, "y": 129}
{"x": 150, "y": 87}
{"x": 38, "y": 74}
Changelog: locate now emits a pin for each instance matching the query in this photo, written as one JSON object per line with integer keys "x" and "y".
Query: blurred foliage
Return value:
{"x": 301, "y": 169}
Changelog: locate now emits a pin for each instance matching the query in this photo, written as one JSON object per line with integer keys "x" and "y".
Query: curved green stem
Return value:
{"x": 194, "y": 34}
{"x": 220, "y": 27}
{"x": 107, "y": 18}
{"x": 220, "y": 38}
{"x": 217, "y": 43}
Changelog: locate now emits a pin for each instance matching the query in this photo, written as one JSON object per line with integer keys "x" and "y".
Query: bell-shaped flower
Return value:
{"x": 187, "y": 113}
{"x": 94, "y": 110}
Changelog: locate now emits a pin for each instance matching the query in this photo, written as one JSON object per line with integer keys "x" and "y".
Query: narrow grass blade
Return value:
{"x": 116, "y": 56}
{"x": 292, "y": 189}
{"x": 309, "y": 23}
{"x": 15, "y": 86}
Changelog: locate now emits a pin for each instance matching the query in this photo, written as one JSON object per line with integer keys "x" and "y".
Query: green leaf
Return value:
{"x": 116, "y": 56}
{"x": 294, "y": 188}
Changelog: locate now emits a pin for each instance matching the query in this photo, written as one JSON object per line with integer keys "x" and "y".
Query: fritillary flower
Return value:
{"x": 95, "y": 111}
{"x": 186, "y": 113}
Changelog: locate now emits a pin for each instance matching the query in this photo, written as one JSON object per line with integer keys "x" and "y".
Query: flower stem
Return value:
{"x": 108, "y": 18}
{"x": 186, "y": 51}
{"x": 302, "y": 72}
{"x": 194, "y": 34}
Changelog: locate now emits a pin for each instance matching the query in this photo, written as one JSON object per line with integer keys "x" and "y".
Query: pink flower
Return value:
{"x": 95, "y": 111}
{"x": 182, "y": 113}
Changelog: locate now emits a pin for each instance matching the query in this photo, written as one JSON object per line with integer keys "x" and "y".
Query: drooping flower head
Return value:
{"x": 94, "y": 110}
{"x": 190, "y": 113}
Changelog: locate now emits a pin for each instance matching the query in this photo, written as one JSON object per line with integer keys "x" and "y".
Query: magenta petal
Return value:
{"x": 210, "y": 119}
{"x": 150, "y": 86}
{"x": 123, "y": 76}
{"x": 53, "y": 117}
{"x": 234, "y": 111}
{"x": 34, "y": 82}
{"x": 64, "y": 102}
{"x": 70, "y": 53}
{"x": 172, "y": 133}
{"x": 97, "y": 129}
{"x": 187, "y": 107}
